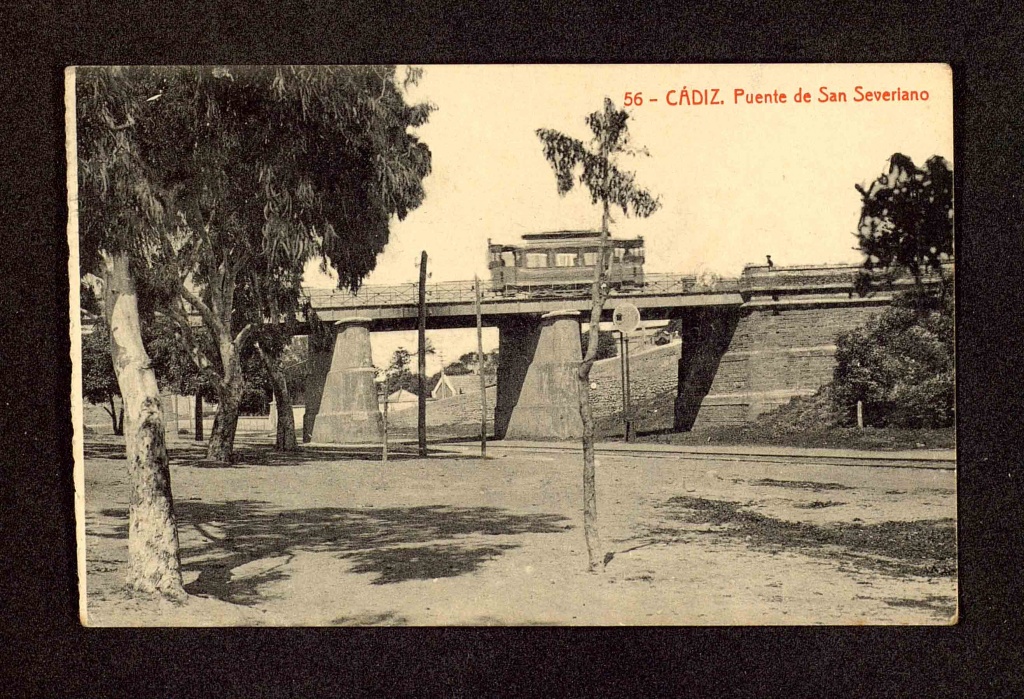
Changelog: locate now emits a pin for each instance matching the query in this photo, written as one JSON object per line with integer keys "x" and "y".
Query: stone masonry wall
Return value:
{"x": 652, "y": 373}
{"x": 774, "y": 356}
{"x": 458, "y": 410}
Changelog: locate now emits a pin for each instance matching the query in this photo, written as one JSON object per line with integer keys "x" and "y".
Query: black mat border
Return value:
{"x": 48, "y": 654}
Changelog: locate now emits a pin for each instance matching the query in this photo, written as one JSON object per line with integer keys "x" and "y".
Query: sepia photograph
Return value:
{"x": 513, "y": 345}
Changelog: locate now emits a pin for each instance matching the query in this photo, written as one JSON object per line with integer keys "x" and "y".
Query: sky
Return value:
{"x": 736, "y": 181}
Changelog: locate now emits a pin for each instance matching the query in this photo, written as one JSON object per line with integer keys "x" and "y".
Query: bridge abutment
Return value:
{"x": 537, "y": 392}
{"x": 347, "y": 411}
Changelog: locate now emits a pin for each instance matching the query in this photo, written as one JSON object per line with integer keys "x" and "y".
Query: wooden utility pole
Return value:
{"x": 198, "y": 417}
{"x": 421, "y": 422}
{"x": 630, "y": 427}
{"x": 384, "y": 449}
{"x": 622, "y": 376}
{"x": 480, "y": 369}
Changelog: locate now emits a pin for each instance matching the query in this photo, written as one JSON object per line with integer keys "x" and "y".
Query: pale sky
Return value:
{"x": 736, "y": 181}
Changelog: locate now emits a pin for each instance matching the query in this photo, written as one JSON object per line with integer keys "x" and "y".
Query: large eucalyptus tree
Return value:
{"x": 197, "y": 181}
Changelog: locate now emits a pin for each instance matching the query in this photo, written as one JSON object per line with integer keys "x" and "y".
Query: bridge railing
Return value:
{"x": 464, "y": 292}
{"x": 396, "y": 295}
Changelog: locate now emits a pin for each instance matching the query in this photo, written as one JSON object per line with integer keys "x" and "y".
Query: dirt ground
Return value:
{"x": 330, "y": 536}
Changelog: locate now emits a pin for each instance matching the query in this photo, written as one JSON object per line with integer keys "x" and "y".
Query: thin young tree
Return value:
{"x": 594, "y": 165}
{"x": 175, "y": 365}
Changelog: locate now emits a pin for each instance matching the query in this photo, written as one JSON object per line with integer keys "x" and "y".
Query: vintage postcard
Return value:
{"x": 513, "y": 344}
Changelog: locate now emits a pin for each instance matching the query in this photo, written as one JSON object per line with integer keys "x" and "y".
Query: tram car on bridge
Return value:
{"x": 563, "y": 262}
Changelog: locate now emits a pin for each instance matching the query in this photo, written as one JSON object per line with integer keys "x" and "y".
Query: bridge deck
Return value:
{"x": 452, "y": 304}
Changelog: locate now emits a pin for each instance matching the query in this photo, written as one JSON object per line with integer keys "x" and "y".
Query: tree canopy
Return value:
{"x": 593, "y": 165}
{"x": 907, "y": 217}
{"x": 209, "y": 151}
{"x": 224, "y": 181}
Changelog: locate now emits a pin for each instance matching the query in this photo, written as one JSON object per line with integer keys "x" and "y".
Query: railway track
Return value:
{"x": 924, "y": 459}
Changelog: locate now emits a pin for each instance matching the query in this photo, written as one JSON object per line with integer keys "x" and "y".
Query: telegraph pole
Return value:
{"x": 626, "y": 319}
{"x": 622, "y": 375}
{"x": 630, "y": 428}
{"x": 384, "y": 449}
{"x": 480, "y": 369}
{"x": 421, "y": 422}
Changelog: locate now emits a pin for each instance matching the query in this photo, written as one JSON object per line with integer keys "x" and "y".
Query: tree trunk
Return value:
{"x": 590, "y": 530}
{"x": 120, "y": 421}
{"x": 153, "y": 563}
{"x": 198, "y": 417}
{"x": 115, "y": 424}
{"x": 285, "y": 440}
{"x": 222, "y": 436}
{"x": 595, "y": 556}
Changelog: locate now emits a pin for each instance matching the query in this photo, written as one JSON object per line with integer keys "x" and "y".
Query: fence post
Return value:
{"x": 860, "y": 415}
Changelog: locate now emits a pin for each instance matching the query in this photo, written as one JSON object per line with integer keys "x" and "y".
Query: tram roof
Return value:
{"x": 561, "y": 235}
{"x": 570, "y": 236}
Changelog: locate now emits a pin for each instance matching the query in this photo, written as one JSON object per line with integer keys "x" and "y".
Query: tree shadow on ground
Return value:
{"x": 399, "y": 564}
{"x": 260, "y": 454}
{"x": 396, "y": 543}
{"x": 940, "y": 606}
{"x": 916, "y": 548}
{"x": 380, "y": 619}
{"x": 104, "y": 450}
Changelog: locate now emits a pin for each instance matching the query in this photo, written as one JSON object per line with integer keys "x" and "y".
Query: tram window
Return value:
{"x": 508, "y": 259}
{"x": 619, "y": 254}
{"x": 590, "y": 259}
{"x": 536, "y": 259}
{"x": 565, "y": 259}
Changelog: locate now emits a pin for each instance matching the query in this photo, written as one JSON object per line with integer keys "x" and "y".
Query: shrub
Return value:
{"x": 900, "y": 365}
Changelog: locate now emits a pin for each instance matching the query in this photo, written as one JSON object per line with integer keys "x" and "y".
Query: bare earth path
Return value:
{"x": 332, "y": 537}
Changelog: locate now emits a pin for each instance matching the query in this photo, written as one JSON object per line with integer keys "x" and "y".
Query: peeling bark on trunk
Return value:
{"x": 285, "y": 440}
{"x": 154, "y": 566}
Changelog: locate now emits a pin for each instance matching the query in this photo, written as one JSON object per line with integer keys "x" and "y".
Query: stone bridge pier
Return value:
{"x": 537, "y": 391}
{"x": 342, "y": 405}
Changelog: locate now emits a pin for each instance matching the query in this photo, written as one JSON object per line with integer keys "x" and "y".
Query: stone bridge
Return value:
{"x": 749, "y": 343}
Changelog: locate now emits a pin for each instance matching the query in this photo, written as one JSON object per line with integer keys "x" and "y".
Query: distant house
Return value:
{"x": 449, "y": 386}
{"x": 401, "y": 399}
